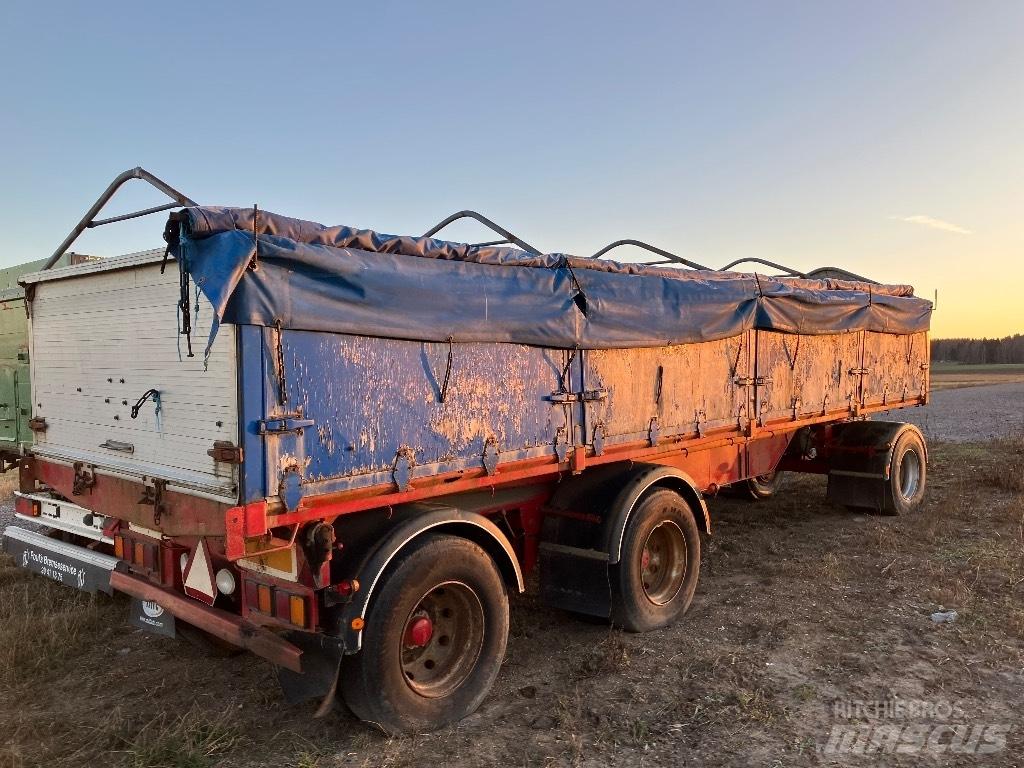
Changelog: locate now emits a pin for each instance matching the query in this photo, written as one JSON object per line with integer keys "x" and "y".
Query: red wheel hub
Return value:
{"x": 419, "y": 632}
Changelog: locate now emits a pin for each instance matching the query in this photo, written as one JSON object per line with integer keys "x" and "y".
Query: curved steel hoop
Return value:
{"x": 508, "y": 236}
{"x": 89, "y": 220}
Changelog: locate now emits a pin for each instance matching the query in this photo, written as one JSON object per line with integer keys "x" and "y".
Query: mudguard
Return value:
{"x": 575, "y": 561}
{"x": 860, "y": 457}
{"x": 643, "y": 478}
{"x": 421, "y": 519}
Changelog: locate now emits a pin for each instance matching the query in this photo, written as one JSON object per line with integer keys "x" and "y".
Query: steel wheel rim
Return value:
{"x": 910, "y": 474}
{"x": 663, "y": 562}
{"x": 443, "y": 663}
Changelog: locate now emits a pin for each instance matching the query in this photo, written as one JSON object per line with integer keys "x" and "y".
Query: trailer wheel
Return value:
{"x": 763, "y": 486}
{"x": 434, "y": 638}
{"x": 907, "y": 473}
{"x": 655, "y": 578}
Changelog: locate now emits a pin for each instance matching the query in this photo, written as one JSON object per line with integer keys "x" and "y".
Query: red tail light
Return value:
{"x": 27, "y": 507}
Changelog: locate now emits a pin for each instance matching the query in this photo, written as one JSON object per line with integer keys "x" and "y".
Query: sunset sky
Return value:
{"x": 887, "y": 138}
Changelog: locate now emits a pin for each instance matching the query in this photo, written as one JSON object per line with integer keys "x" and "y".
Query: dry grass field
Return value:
{"x": 802, "y": 606}
{"x": 955, "y": 375}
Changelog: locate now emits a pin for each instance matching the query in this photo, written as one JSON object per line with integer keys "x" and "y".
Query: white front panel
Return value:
{"x": 99, "y": 341}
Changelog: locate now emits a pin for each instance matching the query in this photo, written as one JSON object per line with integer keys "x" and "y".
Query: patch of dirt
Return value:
{"x": 802, "y": 608}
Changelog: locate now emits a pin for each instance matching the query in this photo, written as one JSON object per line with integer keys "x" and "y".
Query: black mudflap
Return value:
{"x": 321, "y": 664}
{"x": 575, "y": 579}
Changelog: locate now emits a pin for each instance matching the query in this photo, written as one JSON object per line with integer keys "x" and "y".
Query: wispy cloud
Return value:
{"x": 932, "y": 222}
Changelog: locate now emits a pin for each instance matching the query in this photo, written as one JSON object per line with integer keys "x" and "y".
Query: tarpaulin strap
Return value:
{"x": 184, "y": 306}
{"x": 736, "y": 363}
{"x": 579, "y": 298}
{"x": 447, "y": 371}
{"x": 281, "y": 384}
{"x": 255, "y": 263}
{"x": 796, "y": 352}
{"x": 565, "y": 370}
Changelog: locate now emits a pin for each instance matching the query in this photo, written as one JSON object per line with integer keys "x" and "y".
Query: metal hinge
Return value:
{"x": 84, "y": 478}
{"x": 154, "y": 496}
{"x": 587, "y": 396}
{"x": 401, "y": 473}
{"x": 859, "y": 371}
{"x": 491, "y": 456}
{"x": 561, "y": 444}
{"x": 746, "y": 381}
{"x": 225, "y": 452}
{"x": 38, "y": 424}
{"x": 283, "y": 424}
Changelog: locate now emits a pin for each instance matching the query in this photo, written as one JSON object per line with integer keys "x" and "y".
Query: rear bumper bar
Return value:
{"x": 91, "y": 571}
{"x": 226, "y": 626}
{"x": 64, "y": 563}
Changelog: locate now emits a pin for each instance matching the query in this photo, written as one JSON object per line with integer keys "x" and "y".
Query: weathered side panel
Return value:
{"x": 680, "y": 390}
{"x": 896, "y": 367}
{"x": 806, "y": 376}
{"x": 377, "y": 403}
{"x": 364, "y": 411}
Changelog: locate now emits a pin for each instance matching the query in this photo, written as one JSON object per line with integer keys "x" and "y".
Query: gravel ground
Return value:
{"x": 969, "y": 414}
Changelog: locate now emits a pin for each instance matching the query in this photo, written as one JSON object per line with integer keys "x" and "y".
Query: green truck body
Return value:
{"x": 15, "y": 389}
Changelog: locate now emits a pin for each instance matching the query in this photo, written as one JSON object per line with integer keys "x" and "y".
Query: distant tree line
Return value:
{"x": 1009, "y": 349}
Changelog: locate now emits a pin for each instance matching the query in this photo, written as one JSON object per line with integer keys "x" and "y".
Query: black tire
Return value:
{"x": 399, "y": 687}
{"x": 648, "y": 598}
{"x": 908, "y": 474}
{"x": 763, "y": 486}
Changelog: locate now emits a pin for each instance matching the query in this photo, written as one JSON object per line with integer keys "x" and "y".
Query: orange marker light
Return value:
{"x": 297, "y": 610}
{"x": 140, "y": 554}
{"x": 119, "y": 547}
{"x": 263, "y": 598}
{"x": 358, "y": 624}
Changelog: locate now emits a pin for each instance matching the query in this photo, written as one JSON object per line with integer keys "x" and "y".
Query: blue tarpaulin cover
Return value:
{"x": 302, "y": 275}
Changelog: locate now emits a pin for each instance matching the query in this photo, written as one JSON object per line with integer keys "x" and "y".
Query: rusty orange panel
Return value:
{"x": 806, "y": 375}
{"x": 896, "y": 367}
{"x": 688, "y": 389}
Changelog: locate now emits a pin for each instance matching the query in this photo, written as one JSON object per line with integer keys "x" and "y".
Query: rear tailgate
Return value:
{"x": 105, "y": 333}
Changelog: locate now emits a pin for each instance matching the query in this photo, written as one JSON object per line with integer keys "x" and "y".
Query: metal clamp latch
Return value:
{"x": 587, "y": 396}
{"x": 283, "y": 424}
